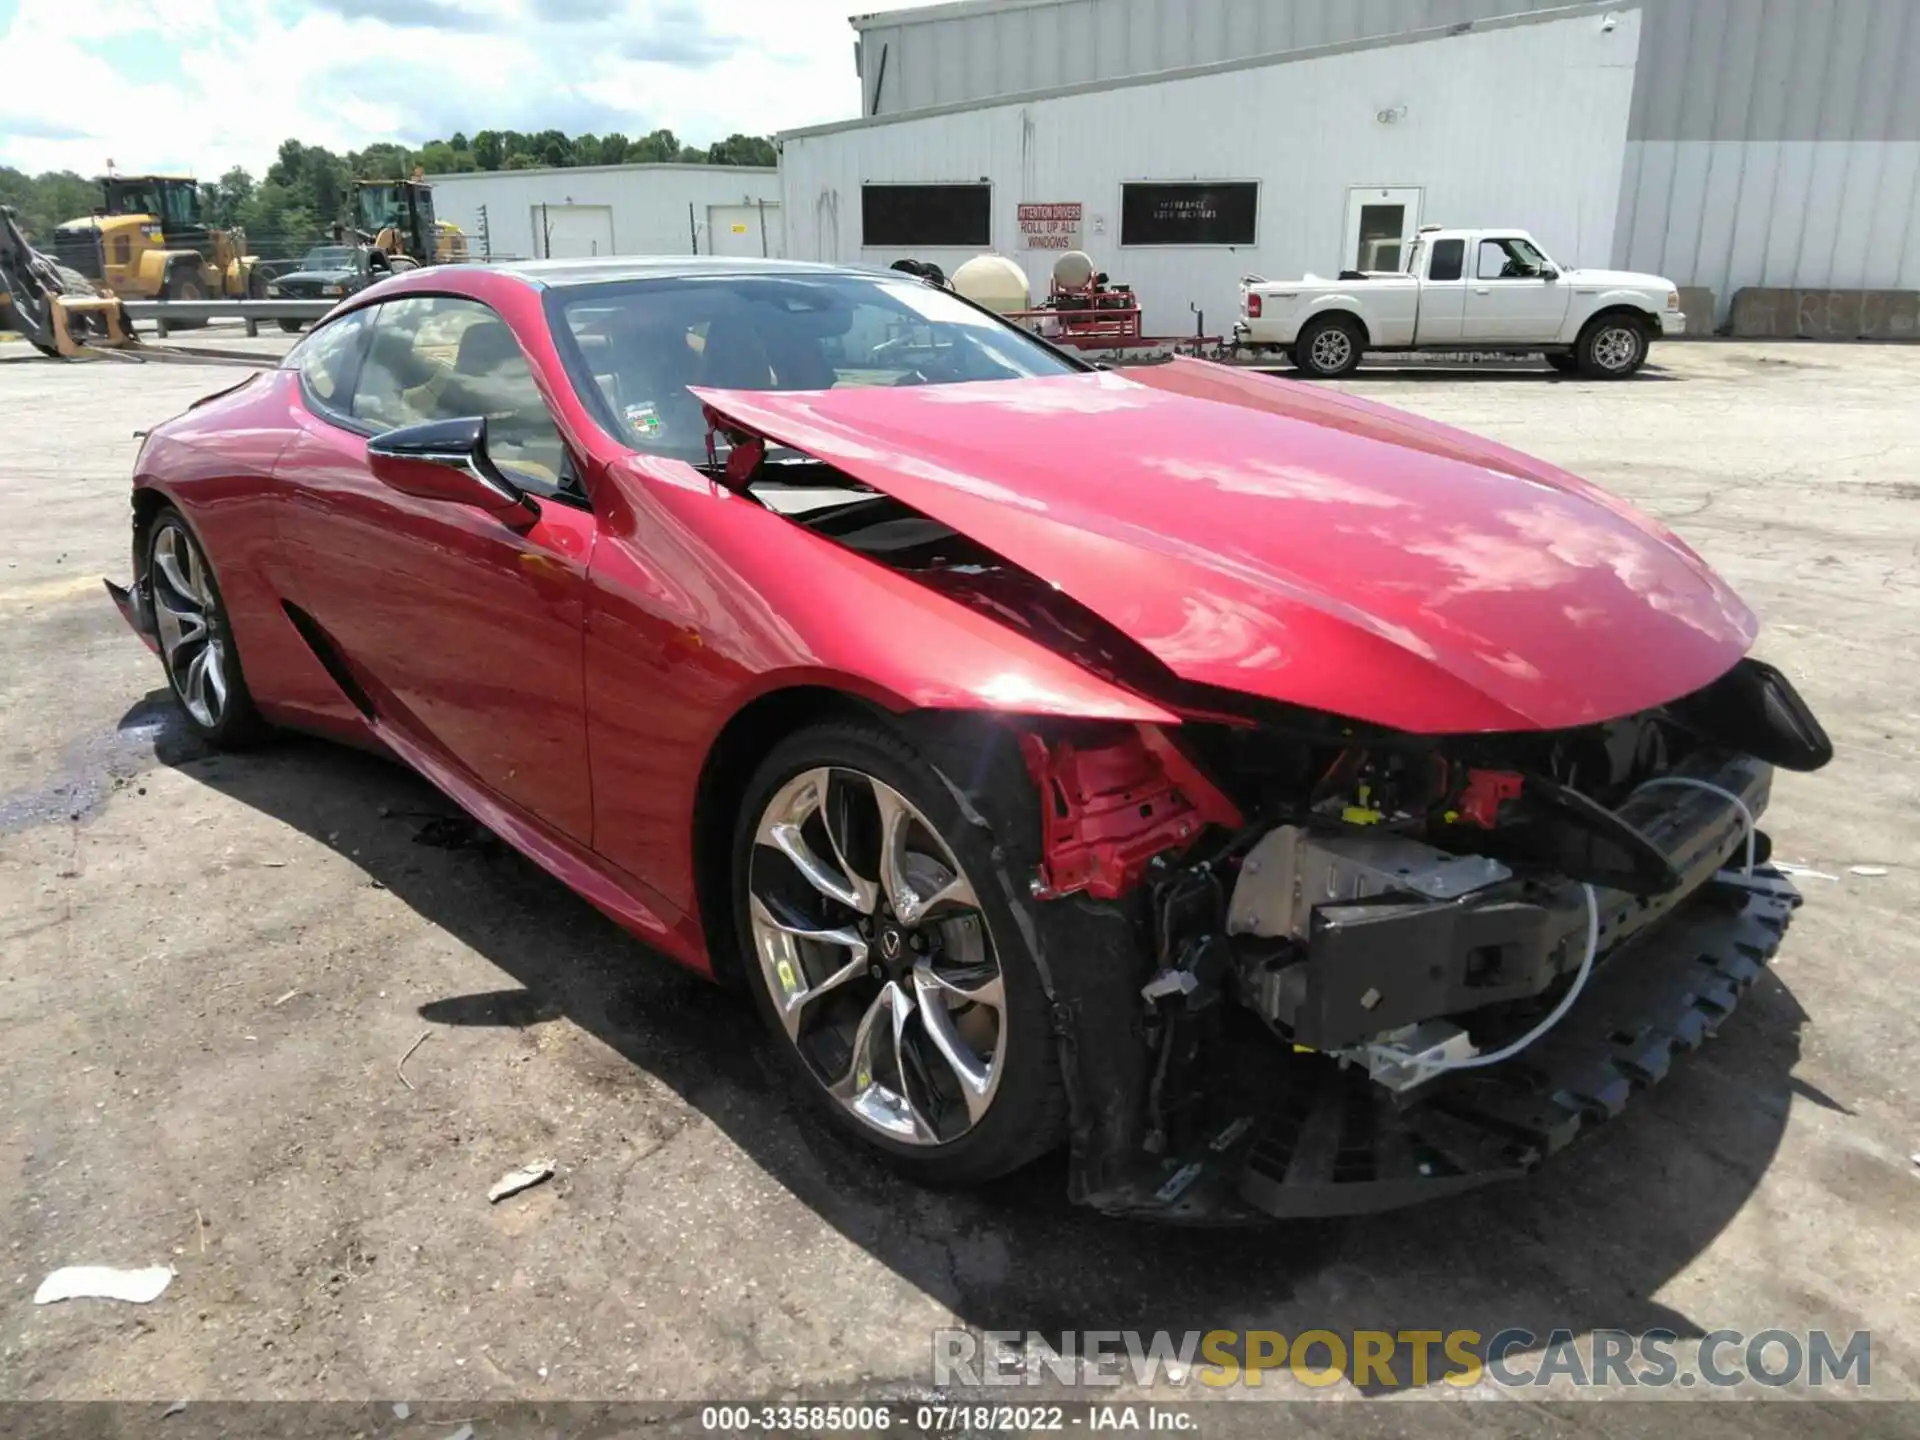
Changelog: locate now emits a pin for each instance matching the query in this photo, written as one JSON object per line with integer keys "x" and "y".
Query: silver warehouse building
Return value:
{"x": 1766, "y": 146}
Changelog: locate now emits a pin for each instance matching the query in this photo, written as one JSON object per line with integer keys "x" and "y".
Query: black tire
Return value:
{"x": 185, "y": 284}
{"x": 1329, "y": 347}
{"x": 293, "y": 327}
{"x": 1565, "y": 364}
{"x": 1611, "y": 347}
{"x": 1025, "y": 1116}
{"x": 236, "y": 723}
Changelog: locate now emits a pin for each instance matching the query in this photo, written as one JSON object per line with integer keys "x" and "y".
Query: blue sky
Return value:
{"x": 201, "y": 85}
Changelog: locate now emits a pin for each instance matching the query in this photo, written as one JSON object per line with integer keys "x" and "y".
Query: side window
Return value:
{"x": 436, "y": 357}
{"x": 1447, "y": 258}
{"x": 1506, "y": 260}
{"x": 326, "y": 360}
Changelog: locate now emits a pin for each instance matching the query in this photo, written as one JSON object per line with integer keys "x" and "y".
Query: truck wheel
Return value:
{"x": 185, "y": 284}
{"x": 1612, "y": 347}
{"x": 1329, "y": 347}
{"x": 292, "y": 327}
{"x": 1565, "y": 364}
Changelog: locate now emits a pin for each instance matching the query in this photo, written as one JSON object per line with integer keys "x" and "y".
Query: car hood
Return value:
{"x": 1286, "y": 541}
{"x": 1620, "y": 280}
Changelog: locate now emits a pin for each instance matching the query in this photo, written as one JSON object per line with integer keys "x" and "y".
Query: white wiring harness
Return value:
{"x": 1507, "y": 1052}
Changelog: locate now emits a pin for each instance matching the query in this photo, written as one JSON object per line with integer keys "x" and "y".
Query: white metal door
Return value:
{"x": 1381, "y": 222}
{"x": 572, "y": 232}
{"x": 1507, "y": 299}
{"x": 744, "y": 230}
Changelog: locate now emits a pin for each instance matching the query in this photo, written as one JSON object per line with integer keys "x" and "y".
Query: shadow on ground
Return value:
{"x": 1583, "y": 1245}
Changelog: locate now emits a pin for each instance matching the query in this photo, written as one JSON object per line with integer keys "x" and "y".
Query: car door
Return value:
{"x": 1443, "y": 291}
{"x": 1510, "y": 299}
{"x": 464, "y": 633}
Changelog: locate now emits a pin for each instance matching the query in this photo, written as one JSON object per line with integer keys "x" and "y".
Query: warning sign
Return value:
{"x": 1050, "y": 227}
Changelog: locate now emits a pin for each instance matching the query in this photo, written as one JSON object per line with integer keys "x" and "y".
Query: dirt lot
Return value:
{"x": 211, "y": 966}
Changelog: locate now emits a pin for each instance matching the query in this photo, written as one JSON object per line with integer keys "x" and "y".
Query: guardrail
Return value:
{"x": 165, "y": 312}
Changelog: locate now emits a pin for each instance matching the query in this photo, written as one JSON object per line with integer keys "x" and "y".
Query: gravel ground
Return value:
{"x": 211, "y": 967}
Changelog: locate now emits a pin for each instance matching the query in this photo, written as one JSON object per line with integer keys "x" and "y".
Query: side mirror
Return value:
{"x": 448, "y": 460}
{"x": 1549, "y": 273}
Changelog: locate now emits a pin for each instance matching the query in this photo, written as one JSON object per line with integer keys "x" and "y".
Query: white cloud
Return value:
{"x": 202, "y": 85}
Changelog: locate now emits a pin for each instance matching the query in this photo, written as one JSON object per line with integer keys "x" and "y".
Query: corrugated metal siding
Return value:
{"x": 1317, "y": 135}
{"x": 1709, "y": 69}
{"x": 1772, "y": 142}
{"x": 1006, "y": 50}
{"x": 1777, "y": 143}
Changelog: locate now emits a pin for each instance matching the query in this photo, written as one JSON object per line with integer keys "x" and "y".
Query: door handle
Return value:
{"x": 1483, "y": 289}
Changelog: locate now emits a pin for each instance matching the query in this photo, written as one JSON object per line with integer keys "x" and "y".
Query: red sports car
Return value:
{"x": 1291, "y": 805}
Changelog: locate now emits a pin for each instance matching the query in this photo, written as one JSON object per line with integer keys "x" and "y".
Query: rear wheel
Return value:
{"x": 1612, "y": 347}
{"x": 890, "y": 971}
{"x": 1329, "y": 347}
{"x": 196, "y": 643}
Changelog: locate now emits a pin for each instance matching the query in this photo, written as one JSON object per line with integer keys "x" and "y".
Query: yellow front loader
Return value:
{"x": 150, "y": 240}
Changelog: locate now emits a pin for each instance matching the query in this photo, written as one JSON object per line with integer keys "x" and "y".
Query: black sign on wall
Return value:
{"x": 1194, "y": 212}
{"x": 908, "y": 215}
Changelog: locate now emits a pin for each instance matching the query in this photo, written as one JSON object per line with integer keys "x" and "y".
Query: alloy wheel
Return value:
{"x": 1615, "y": 347}
{"x": 187, "y": 616}
{"x": 876, "y": 955}
{"x": 1332, "y": 349}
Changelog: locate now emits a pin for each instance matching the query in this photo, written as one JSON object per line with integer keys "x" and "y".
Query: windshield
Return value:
{"x": 640, "y": 344}
{"x": 382, "y": 207}
{"x": 331, "y": 257}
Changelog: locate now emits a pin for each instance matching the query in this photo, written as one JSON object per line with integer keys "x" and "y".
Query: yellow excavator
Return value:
{"x": 151, "y": 240}
{"x": 396, "y": 218}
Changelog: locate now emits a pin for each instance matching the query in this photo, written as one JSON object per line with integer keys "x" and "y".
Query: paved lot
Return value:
{"x": 210, "y": 967}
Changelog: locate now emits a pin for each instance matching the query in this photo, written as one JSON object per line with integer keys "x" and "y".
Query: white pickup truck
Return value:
{"x": 1464, "y": 290}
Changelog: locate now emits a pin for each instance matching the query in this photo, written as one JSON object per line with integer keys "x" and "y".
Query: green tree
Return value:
{"x": 55, "y": 196}
{"x": 739, "y": 149}
{"x": 382, "y": 162}
{"x": 487, "y": 151}
{"x": 438, "y": 157}
{"x": 613, "y": 149}
{"x": 586, "y": 150}
{"x": 278, "y": 225}
{"x": 652, "y": 149}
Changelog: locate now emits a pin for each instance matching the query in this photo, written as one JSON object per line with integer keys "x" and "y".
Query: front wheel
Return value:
{"x": 196, "y": 643}
{"x": 886, "y": 961}
{"x": 1612, "y": 347}
{"x": 1329, "y": 347}
{"x": 186, "y": 285}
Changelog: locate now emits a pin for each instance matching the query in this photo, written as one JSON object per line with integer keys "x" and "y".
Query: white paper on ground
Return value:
{"x": 103, "y": 1282}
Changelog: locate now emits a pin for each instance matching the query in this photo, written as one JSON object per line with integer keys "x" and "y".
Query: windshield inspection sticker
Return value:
{"x": 644, "y": 419}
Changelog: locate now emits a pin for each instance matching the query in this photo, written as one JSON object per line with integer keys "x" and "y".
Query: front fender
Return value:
{"x": 1585, "y": 307}
{"x": 703, "y": 602}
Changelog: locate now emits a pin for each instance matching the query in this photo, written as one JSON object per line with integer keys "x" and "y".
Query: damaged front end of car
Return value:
{"x": 1303, "y": 964}
{"x": 1369, "y": 969}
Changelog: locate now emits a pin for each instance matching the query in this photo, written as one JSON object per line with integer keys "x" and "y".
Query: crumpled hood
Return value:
{"x": 1283, "y": 540}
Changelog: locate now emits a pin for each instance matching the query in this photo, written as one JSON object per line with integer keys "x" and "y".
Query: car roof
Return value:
{"x": 560, "y": 274}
